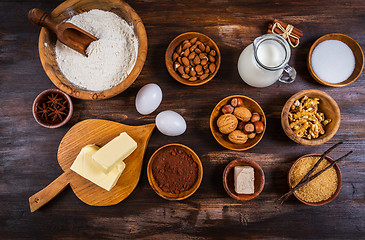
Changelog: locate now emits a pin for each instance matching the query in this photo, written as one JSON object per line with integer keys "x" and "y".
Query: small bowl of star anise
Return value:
{"x": 52, "y": 108}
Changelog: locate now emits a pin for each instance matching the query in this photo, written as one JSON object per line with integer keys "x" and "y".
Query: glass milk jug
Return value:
{"x": 264, "y": 61}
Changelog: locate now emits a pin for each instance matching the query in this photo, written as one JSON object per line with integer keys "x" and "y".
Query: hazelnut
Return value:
{"x": 255, "y": 117}
{"x": 249, "y": 128}
{"x": 251, "y": 135}
{"x": 237, "y": 137}
{"x": 242, "y": 114}
{"x": 259, "y": 127}
{"x": 240, "y": 125}
{"x": 236, "y": 102}
{"x": 227, "y": 109}
{"x": 227, "y": 123}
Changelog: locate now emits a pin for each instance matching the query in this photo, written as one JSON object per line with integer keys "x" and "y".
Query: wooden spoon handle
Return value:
{"x": 48, "y": 193}
{"x": 40, "y": 18}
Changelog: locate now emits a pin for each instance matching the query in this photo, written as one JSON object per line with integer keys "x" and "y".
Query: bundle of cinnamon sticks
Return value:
{"x": 289, "y": 32}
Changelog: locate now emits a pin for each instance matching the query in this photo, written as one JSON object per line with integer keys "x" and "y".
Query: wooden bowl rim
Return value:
{"x": 158, "y": 190}
{"x": 339, "y": 181}
{"x": 45, "y": 92}
{"x": 180, "y": 79}
{"x": 222, "y": 143}
{"x": 313, "y": 142}
{"x": 330, "y": 37}
{"x": 80, "y": 93}
{"x": 243, "y": 197}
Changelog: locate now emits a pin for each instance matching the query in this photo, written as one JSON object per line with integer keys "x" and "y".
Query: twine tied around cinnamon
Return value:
{"x": 287, "y": 33}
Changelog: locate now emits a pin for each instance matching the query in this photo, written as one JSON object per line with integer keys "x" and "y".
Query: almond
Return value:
{"x": 192, "y": 48}
{"x": 206, "y": 70}
{"x": 187, "y": 70}
{"x": 185, "y": 76}
{"x": 200, "y": 73}
{"x": 207, "y": 49}
{"x": 179, "y": 60}
{"x": 204, "y": 62}
{"x": 191, "y": 56}
{"x": 196, "y": 60}
{"x": 213, "y": 53}
{"x": 185, "y": 61}
{"x": 186, "y": 45}
{"x": 193, "y": 40}
{"x": 175, "y": 56}
{"x": 192, "y": 79}
{"x": 202, "y": 55}
{"x": 198, "y": 68}
{"x": 198, "y": 51}
{"x": 185, "y": 41}
{"x": 186, "y": 52}
{"x": 176, "y": 65}
{"x": 198, "y": 42}
{"x": 204, "y": 76}
{"x": 211, "y": 58}
{"x": 192, "y": 72}
{"x": 181, "y": 70}
{"x": 179, "y": 49}
{"x": 201, "y": 47}
{"x": 212, "y": 67}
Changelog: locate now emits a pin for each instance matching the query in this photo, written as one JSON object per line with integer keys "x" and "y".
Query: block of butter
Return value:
{"x": 85, "y": 166}
{"x": 115, "y": 151}
{"x": 244, "y": 180}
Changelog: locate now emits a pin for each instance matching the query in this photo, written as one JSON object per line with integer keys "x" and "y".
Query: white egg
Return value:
{"x": 148, "y": 98}
{"x": 170, "y": 123}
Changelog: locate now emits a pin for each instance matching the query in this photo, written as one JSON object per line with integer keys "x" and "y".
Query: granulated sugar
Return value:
{"x": 333, "y": 61}
{"x": 110, "y": 59}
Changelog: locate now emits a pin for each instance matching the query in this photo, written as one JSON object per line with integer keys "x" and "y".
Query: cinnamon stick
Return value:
{"x": 295, "y": 31}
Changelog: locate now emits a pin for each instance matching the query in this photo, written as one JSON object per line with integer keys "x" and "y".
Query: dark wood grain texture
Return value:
{"x": 28, "y": 152}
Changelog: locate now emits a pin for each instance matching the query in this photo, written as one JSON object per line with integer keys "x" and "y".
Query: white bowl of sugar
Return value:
{"x": 335, "y": 60}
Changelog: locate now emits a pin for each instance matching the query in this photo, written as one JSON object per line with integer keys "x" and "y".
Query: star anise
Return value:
{"x": 54, "y": 101}
{"x": 43, "y": 111}
{"x": 57, "y": 113}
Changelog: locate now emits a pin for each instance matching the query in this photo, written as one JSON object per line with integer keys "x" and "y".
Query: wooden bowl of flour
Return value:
{"x": 66, "y": 10}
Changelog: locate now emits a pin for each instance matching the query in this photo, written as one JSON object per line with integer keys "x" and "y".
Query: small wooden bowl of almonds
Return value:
{"x": 310, "y": 117}
{"x": 238, "y": 123}
{"x": 192, "y": 58}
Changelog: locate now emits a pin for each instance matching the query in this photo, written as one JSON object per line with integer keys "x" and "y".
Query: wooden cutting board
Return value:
{"x": 99, "y": 132}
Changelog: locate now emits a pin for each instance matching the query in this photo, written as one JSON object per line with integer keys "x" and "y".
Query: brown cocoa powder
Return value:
{"x": 174, "y": 170}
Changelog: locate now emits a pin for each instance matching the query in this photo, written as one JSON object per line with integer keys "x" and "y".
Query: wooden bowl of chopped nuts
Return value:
{"x": 310, "y": 117}
{"x": 238, "y": 123}
{"x": 192, "y": 58}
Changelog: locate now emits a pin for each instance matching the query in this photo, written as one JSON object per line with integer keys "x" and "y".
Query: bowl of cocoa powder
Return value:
{"x": 174, "y": 172}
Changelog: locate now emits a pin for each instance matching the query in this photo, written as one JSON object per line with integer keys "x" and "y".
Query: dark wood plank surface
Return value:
{"x": 28, "y": 151}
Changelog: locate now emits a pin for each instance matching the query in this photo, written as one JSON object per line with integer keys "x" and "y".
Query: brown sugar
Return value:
{"x": 174, "y": 170}
{"x": 320, "y": 188}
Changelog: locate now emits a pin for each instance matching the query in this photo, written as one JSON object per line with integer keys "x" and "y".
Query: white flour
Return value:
{"x": 110, "y": 59}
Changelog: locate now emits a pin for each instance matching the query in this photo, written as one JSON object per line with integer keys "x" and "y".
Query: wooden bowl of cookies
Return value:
{"x": 238, "y": 123}
{"x": 174, "y": 171}
{"x": 47, "y": 45}
{"x": 357, "y": 54}
{"x": 320, "y": 191}
{"x": 192, "y": 58}
{"x": 309, "y": 132}
{"x": 229, "y": 181}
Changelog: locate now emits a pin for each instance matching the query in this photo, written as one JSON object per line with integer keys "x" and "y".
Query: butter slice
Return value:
{"x": 244, "y": 180}
{"x": 86, "y": 167}
{"x": 115, "y": 151}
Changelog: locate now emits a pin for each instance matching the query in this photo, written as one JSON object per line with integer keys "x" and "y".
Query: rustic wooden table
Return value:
{"x": 28, "y": 151}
